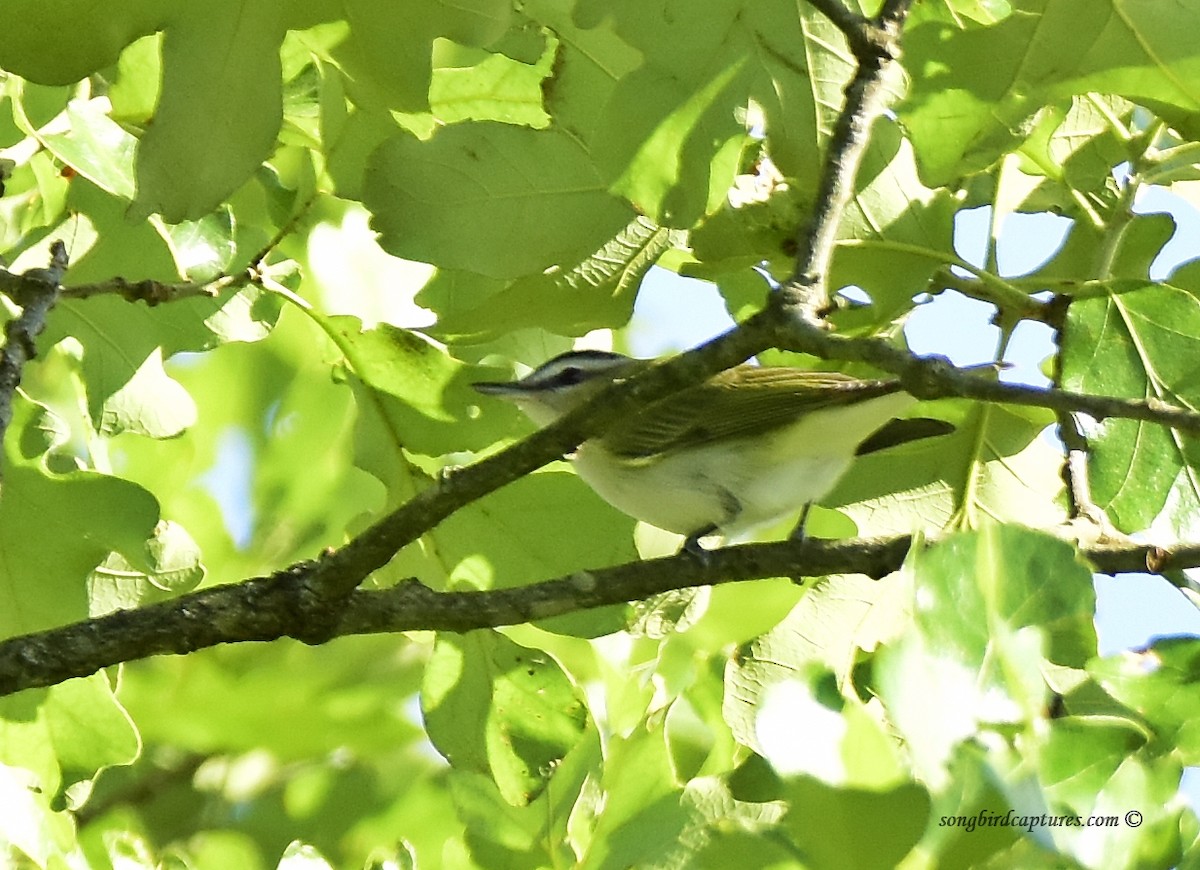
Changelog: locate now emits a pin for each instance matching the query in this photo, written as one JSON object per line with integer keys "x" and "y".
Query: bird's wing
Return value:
{"x": 896, "y": 432}
{"x": 764, "y": 398}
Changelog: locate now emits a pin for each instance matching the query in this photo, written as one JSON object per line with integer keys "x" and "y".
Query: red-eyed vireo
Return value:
{"x": 742, "y": 449}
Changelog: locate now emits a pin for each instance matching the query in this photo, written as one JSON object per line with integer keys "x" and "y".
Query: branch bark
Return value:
{"x": 936, "y": 378}
{"x": 36, "y": 292}
{"x": 269, "y": 608}
{"x": 876, "y": 46}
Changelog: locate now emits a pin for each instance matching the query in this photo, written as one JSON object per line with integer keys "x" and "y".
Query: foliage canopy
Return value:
{"x": 298, "y": 231}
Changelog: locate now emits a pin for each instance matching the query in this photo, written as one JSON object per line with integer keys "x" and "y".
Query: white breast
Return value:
{"x": 743, "y": 483}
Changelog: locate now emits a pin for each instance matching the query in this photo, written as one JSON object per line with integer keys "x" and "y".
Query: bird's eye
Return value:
{"x": 570, "y": 375}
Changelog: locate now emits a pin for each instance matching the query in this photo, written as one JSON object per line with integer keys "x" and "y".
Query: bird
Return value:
{"x": 740, "y": 450}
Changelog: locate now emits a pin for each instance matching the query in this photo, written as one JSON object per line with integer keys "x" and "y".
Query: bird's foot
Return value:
{"x": 693, "y": 547}
{"x": 799, "y": 532}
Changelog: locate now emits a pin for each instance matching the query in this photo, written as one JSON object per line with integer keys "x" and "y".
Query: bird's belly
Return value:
{"x": 721, "y": 487}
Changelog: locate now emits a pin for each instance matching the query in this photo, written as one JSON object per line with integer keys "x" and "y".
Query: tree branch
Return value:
{"x": 876, "y": 46}
{"x": 36, "y": 291}
{"x": 1013, "y": 303}
{"x": 849, "y": 23}
{"x": 149, "y": 291}
{"x": 936, "y": 378}
{"x": 268, "y": 608}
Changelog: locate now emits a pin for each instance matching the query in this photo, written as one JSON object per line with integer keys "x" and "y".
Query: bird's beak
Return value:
{"x": 502, "y": 389}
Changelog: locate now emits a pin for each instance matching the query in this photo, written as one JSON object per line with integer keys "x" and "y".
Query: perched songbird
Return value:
{"x": 744, "y": 448}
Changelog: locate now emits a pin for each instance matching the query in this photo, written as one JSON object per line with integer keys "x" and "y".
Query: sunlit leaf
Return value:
{"x": 496, "y": 708}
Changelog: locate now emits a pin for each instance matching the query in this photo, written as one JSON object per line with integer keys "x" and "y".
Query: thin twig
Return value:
{"x": 935, "y": 378}
{"x": 149, "y": 291}
{"x": 1074, "y": 471}
{"x": 1014, "y": 305}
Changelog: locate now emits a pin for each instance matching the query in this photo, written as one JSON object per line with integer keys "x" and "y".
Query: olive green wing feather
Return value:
{"x": 740, "y": 402}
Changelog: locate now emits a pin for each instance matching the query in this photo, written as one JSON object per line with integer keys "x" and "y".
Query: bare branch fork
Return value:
{"x": 315, "y": 601}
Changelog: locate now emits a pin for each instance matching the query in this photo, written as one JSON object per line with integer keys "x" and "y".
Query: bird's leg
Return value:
{"x": 799, "y": 534}
{"x": 693, "y": 547}
{"x": 732, "y": 508}
{"x": 798, "y": 531}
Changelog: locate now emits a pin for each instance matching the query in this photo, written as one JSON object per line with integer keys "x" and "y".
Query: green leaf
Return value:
{"x": 497, "y": 708}
{"x": 348, "y": 694}
{"x": 390, "y": 45}
{"x": 497, "y": 88}
{"x": 821, "y": 630}
{"x": 174, "y": 567}
{"x": 825, "y": 823}
{"x": 522, "y": 200}
{"x": 97, "y": 148}
{"x": 302, "y": 856}
{"x": 967, "y": 832}
{"x": 1128, "y": 803}
{"x": 351, "y": 137}
{"x": 388, "y": 51}
{"x": 984, "y": 623}
{"x": 124, "y": 345}
{"x": 219, "y": 109}
{"x": 139, "y": 73}
{"x": 589, "y": 61}
{"x": 993, "y": 466}
{"x": 265, "y": 410}
{"x": 655, "y": 178}
{"x": 1080, "y": 756}
{"x": 760, "y": 225}
{"x": 800, "y": 91}
{"x": 1073, "y": 150}
{"x": 1137, "y": 342}
{"x": 843, "y": 745}
{"x": 29, "y": 828}
{"x": 86, "y": 515}
{"x": 128, "y": 389}
{"x": 965, "y": 672}
{"x": 1162, "y": 684}
{"x": 204, "y": 249}
{"x": 541, "y": 526}
{"x": 66, "y": 734}
{"x": 738, "y": 612}
{"x": 962, "y": 115}
{"x": 690, "y": 739}
{"x": 648, "y": 820}
{"x": 540, "y": 833}
{"x": 33, "y": 43}
{"x": 734, "y": 848}
{"x": 895, "y": 229}
{"x": 597, "y": 292}
{"x": 669, "y": 134}
{"x": 422, "y": 395}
